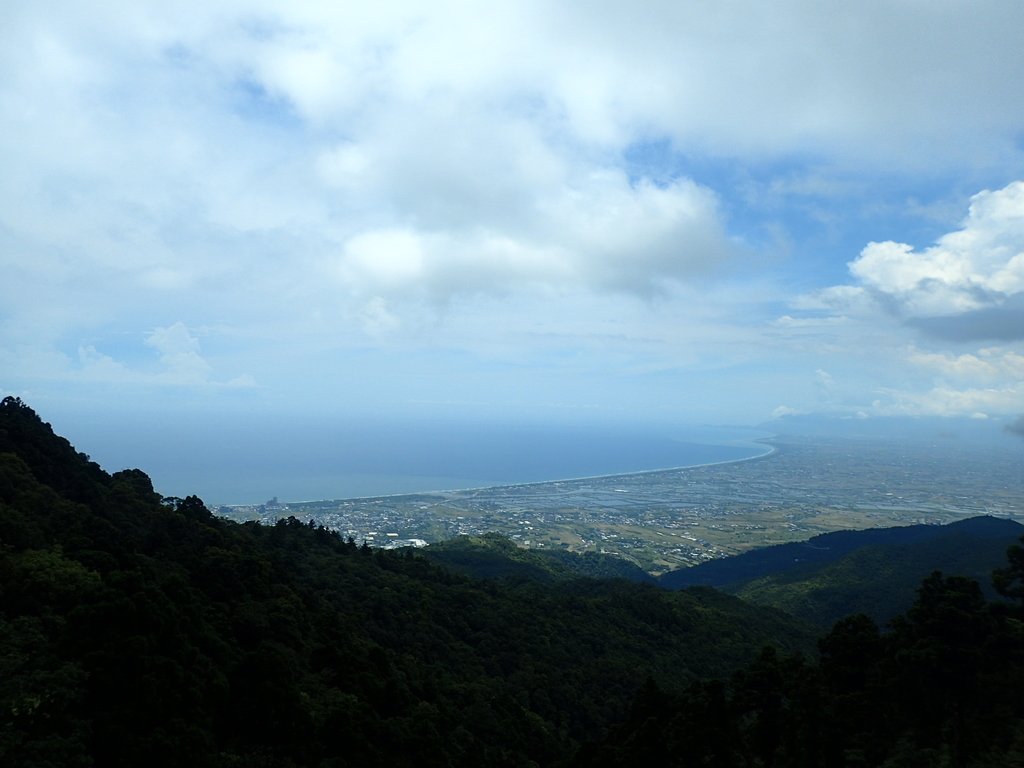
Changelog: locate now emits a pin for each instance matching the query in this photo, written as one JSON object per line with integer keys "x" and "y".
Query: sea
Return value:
{"x": 307, "y": 463}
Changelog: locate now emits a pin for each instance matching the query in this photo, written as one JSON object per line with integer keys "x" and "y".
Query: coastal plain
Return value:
{"x": 670, "y": 519}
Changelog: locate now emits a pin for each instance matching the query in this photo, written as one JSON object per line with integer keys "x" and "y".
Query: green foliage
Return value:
{"x": 795, "y": 559}
{"x": 144, "y": 631}
{"x": 880, "y": 580}
{"x": 1009, "y": 581}
{"x": 495, "y": 556}
{"x": 136, "y": 630}
{"x": 942, "y": 688}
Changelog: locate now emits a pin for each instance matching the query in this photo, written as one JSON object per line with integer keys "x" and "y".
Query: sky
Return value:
{"x": 219, "y": 213}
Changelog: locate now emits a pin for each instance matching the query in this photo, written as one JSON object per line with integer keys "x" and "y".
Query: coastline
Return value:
{"x": 771, "y": 450}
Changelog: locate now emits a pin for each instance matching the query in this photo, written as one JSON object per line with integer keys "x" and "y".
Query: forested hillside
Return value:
{"x": 881, "y": 580}
{"x": 940, "y": 688}
{"x": 137, "y": 630}
{"x": 799, "y": 557}
{"x": 140, "y": 630}
{"x": 875, "y": 572}
{"x": 495, "y": 556}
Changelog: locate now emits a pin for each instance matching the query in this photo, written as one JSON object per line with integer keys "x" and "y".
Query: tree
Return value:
{"x": 1009, "y": 581}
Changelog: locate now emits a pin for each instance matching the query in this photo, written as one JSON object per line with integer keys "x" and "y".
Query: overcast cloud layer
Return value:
{"x": 669, "y": 212}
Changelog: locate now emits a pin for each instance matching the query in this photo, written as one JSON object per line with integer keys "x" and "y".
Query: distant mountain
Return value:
{"x": 730, "y": 572}
{"x": 881, "y": 580}
{"x": 875, "y": 571}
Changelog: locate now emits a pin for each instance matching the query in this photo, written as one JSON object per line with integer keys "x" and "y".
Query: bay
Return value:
{"x": 305, "y": 463}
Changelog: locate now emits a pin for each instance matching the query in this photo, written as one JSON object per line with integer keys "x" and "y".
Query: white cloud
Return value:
{"x": 245, "y": 381}
{"x": 968, "y": 286}
{"x": 322, "y": 175}
{"x": 984, "y": 384}
{"x": 825, "y": 383}
{"x": 782, "y": 411}
{"x": 180, "y": 364}
{"x": 989, "y": 364}
{"x": 978, "y": 266}
{"x": 1012, "y": 363}
{"x": 947, "y": 401}
{"x": 841, "y": 299}
{"x": 96, "y": 365}
{"x": 179, "y": 354}
{"x": 377, "y": 319}
{"x": 960, "y": 366}
{"x": 603, "y": 233}
{"x": 812, "y": 324}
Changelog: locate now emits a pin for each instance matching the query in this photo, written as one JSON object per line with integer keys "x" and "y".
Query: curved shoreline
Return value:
{"x": 771, "y": 449}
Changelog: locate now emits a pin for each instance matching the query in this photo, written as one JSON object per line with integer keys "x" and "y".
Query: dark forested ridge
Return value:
{"x": 940, "y": 688}
{"x": 136, "y": 630}
{"x": 874, "y": 572}
{"x": 495, "y": 556}
{"x": 881, "y": 580}
{"x": 732, "y": 572}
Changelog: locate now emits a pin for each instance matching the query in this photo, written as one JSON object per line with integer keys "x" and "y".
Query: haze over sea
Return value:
{"x": 302, "y": 462}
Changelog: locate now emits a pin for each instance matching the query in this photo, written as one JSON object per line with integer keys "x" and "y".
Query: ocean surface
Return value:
{"x": 312, "y": 463}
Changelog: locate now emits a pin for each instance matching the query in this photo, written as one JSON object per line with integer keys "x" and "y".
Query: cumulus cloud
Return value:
{"x": 990, "y": 363}
{"x": 782, "y": 411}
{"x": 976, "y": 402}
{"x": 1016, "y": 427}
{"x": 96, "y": 365}
{"x": 317, "y": 170}
{"x": 180, "y": 362}
{"x": 843, "y": 299}
{"x": 376, "y": 319}
{"x": 825, "y": 384}
{"x": 180, "y": 355}
{"x": 977, "y": 267}
{"x": 1004, "y": 322}
{"x": 987, "y": 383}
{"x": 606, "y": 234}
{"x": 967, "y": 287}
{"x": 605, "y": 72}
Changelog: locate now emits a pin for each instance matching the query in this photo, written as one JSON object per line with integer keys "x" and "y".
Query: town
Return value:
{"x": 676, "y": 518}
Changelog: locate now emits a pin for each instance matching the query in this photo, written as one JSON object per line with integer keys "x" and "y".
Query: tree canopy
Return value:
{"x": 140, "y": 630}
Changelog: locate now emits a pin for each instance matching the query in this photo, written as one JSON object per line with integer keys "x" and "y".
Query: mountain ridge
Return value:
{"x": 136, "y": 629}
{"x": 140, "y": 630}
{"x": 727, "y": 572}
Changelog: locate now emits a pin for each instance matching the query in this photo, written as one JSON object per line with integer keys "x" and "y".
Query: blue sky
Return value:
{"x": 662, "y": 213}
